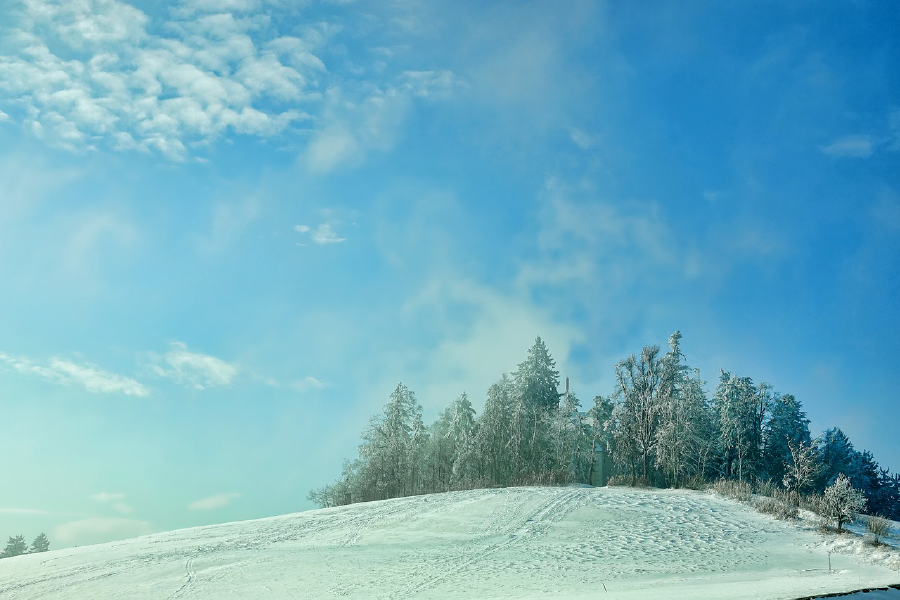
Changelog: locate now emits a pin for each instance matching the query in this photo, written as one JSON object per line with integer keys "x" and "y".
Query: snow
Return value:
{"x": 515, "y": 542}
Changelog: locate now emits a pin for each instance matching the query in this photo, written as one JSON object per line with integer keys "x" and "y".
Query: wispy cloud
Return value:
{"x": 193, "y": 369}
{"x": 850, "y": 146}
{"x": 324, "y": 233}
{"x": 24, "y": 511}
{"x": 306, "y": 384}
{"x": 65, "y": 372}
{"x": 213, "y": 502}
{"x": 115, "y": 500}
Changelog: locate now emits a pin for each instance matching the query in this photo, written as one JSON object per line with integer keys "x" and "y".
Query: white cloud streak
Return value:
{"x": 213, "y": 502}
{"x": 850, "y": 146}
{"x": 193, "y": 369}
{"x": 65, "y": 372}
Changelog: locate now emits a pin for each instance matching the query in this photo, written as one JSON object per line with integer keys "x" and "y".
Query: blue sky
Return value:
{"x": 228, "y": 228}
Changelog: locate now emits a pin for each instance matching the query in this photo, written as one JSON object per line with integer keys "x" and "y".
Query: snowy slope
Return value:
{"x": 518, "y": 542}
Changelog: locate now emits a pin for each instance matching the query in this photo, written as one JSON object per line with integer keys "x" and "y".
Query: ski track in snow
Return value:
{"x": 514, "y": 542}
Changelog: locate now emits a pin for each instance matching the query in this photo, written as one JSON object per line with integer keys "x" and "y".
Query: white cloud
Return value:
{"x": 324, "y": 233}
{"x": 583, "y": 140}
{"x": 114, "y": 500}
{"x": 213, "y": 502}
{"x": 99, "y": 530}
{"x": 306, "y": 384}
{"x": 65, "y": 372}
{"x": 193, "y": 369}
{"x": 850, "y": 146}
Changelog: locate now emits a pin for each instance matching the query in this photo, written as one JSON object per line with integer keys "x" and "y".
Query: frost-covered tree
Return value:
{"x": 787, "y": 426}
{"x": 684, "y": 436}
{"x": 537, "y": 378}
{"x": 836, "y": 455}
{"x": 801, "y": 468}
{"x": 570, "y": 443}
{"x": 843, "y": 502}
{"x": 460, "y": 432}
{"x": 639, "y": 385}
{"x": 40, "y": 543}
{"x": 494, "y": 434}
{"x": 15, "y": 547}
{"x": 736, "y": 403}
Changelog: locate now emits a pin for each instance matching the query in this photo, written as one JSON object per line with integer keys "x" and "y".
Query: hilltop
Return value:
{"x": 512, "y": 542}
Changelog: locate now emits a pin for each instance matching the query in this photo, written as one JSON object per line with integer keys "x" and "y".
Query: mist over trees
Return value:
{"x": 659, "y": 427}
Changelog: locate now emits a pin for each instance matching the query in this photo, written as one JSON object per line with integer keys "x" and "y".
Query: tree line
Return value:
{"x": 17, "y": 546}
{"x": 659, "y": 426}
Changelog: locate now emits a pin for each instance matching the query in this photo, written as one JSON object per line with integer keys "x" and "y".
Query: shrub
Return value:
{"x": 736, "y": 490}
{"x": 780, "y": 505}
{"x": 765, "y": 488}
{"x": 878, "y": 527}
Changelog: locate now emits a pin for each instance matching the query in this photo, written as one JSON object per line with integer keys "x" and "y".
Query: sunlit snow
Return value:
{"x": 515, "y": 542}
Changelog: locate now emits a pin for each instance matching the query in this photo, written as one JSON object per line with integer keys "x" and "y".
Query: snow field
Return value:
{"x": 515, "y": 542}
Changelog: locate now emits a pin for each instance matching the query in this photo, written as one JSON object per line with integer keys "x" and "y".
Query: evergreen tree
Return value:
{"x": 787, "y": 426}
{"x": 494, "y": 434}
{"x": 40, "y": 543}
{"x": 736, "y": 403}
{"x": 537, "y": 378}
{"x": 15, "y": 547}
{"x": 836, "y": 456}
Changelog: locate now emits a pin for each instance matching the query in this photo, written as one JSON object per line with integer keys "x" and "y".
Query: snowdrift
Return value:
{"x": 517, "y": 542}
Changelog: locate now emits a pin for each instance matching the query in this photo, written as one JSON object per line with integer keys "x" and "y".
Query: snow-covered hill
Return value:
{"x": 518, "y": 542}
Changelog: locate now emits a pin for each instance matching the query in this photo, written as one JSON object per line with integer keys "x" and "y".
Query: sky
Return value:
{"x": 228, "y": 228}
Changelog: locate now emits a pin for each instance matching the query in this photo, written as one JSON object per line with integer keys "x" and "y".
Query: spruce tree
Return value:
{"x": 15, "y": 546}
{"x": 537, "y": 378}
{"x": 40, "y": 543}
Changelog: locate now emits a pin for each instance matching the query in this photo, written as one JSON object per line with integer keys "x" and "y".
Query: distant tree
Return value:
{"x": 843, "y": 502}
{"x": 40, "y": 543}
{"x": 15, "y": 546}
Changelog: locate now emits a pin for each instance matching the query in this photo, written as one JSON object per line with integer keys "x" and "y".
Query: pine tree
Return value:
{"x": 40, "y": 543}
{"x": 15, "y": 547}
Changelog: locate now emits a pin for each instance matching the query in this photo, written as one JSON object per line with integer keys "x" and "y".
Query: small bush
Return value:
{"x": 694, "y": 483}
{"x": 765, "y": 488}
{"x": 878, "y": 527}
{"x": 780, "y": 505}
{"x": 736, "y": 490}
